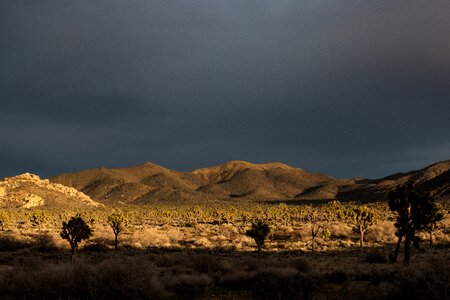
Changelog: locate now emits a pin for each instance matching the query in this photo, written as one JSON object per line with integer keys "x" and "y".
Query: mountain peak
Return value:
{"x": 239, "y": 165}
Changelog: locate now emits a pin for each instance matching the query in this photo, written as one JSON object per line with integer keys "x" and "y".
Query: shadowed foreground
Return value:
{"x": 42, "y": 271}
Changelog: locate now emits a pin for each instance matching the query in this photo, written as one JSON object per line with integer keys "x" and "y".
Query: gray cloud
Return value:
{"x": 349, "y": 88}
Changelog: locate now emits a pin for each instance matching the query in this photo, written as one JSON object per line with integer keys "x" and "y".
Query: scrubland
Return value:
{"x": 185, "y": 251}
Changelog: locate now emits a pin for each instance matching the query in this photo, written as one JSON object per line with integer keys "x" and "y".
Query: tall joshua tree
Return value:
{"x": 415, "y": 212}
{"x": 258, "y": 232}
{"x": 316, "y": 225}
{"x": 117, "y": 221}
{"x": 38, "y": 219}
{"x": 362, "y": 218}
{"x": 318, "y": 220}
{"x": 3, "y": 219}
{"x": 436, "y": 216}
{"x": 74, "y": 231}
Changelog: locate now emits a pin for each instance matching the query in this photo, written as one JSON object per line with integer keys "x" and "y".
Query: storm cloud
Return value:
{"x": 349, "y": 88}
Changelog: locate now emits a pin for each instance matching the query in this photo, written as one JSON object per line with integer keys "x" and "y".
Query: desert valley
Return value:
{"x": 234, "y": 231}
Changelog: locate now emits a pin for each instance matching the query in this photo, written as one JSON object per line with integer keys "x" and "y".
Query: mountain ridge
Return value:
{"x": 240, "y": 180}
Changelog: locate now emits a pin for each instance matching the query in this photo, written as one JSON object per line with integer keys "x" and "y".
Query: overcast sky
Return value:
{"x": 348, "y": 88}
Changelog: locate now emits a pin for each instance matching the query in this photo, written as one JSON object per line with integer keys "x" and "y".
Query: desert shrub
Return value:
{"x": 207, "y": 264}
{"x": 167, "y": 261}
{"x": 428, "y": 282}
{"x": 340, "y": 230}
{"x": 382, "y": 275}
{"x": 236, "y": 281}
{"x": 127, "y": 278}
{"x": 252, "y": 264}
{"x": 189, "y": 286}
{"x": 111, "y": 279}
{"x": 273, "y": 284}
{"x": 383, "y": 231}
{"x": 301, "y": 265}
{"x": 46, "y": 282}
{"x": 12, "y": 243}
{"x": 376, "y": 258}
{"x": 362, "y": 275}
{"x": 44, "y": 243}
{"x": 96, "y": 247}
{"x": 337, "y": 276}
{"x": 28, "y": 259}
{"x": 283, "y": 284}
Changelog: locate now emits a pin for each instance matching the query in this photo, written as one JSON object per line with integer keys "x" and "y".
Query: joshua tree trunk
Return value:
{"x": 361, "y": 238}
{"x": 431, "y": 237}
{"x": 72, "y": 254}
{"x": 408, "y": 241}
{"x": 116, "y": 242}
{"x": 313, "y": 235}
{"x": 397, "y": 249}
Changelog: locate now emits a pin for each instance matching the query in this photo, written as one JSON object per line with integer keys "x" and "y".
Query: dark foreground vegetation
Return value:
{"x": 201, "y": 274}
{"x": 246, "y": 251}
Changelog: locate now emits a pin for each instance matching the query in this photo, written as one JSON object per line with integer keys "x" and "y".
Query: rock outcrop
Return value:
{"x": 29, "y": 190}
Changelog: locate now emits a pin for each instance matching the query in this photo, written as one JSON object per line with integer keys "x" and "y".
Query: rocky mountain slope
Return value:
{"x": 28, "y": 190}
{"x": 434, "y": 179}
{"x": 240, "y": 180}
{"x": 232, "y": 180}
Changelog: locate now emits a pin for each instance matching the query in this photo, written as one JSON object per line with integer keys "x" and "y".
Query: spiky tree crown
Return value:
{"x": 414, "y": 208}
{"x": 258, "y": 232}
{"x": 363, "y": 216}
{"x": 117, "y": 221}
{"x": 75, "y": 230}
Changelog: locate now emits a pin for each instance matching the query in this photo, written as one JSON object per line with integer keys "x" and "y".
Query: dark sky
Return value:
{"x": 349, "y": 88}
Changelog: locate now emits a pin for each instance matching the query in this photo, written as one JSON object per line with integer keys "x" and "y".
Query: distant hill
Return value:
{"x": 28, "y": 191}
{"x": 434, "y": 179}
{"x": 240, "y": 181}
{"x": 232, "y": 180}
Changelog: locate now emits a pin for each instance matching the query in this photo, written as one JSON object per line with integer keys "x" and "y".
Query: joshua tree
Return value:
{"x": 225, "y": 215}
{"x": 258, "y": 232}
{"x": 415, "y": 212}
{"x": 220, "y": 216}
{"x": 117, "y": 221}
{"x": 318, "y": 224}
{"x": 335, "y": 210}
{"x": 38, "y": 218}
{"x": 195, "y": 215}
{"x": 3, "y": 219}
{"x": 436, "y": 215}
{"x": 74, "y": 231}
{"x": 362, "y": 217}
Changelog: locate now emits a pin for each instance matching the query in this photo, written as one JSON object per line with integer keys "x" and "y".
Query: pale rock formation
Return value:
{"x": 15, "y": 190}
{"x": 32, "y": 200}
